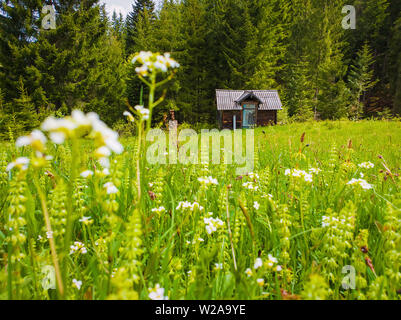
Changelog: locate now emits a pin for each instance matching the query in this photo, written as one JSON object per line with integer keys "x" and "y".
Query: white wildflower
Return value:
{"x": 86, "y": 220}
{"x": 157, "y": 293}
{"x": 77, "y": 283}
{"x": 110, "y": 187}
{"x": 271, "y": 261}
{"x": 57, "y": 137}
{"x": 159, "y": 210}
{"x": 314, "y": 170}
{"x": 250, "y": 186}
{"x": 366, "y": 165}
{"x": 258, "y": 263}
{"x": 299, "y": 174}
{"x": 143, "y": 70}
{"x": 362, "y": 183}
{"x": 78, "y": 247}
{"x": 143, "y": 112}
{"x": 207, "y": 181}
{"x": 104, "y": 162}
{"x": 36, "y": 139}
{"x": 188, "y": 205}
{"x": 20, "y": 163}
{"x": 218, "y": 266}
{"x": 253, "y": 176}
{"x": 86, "y": 173}
{"x": 102, "y": 152}
{"x": 211, "y": 224}
{"x": 61, "y": 125}
{"x": 152, "y": 62}
{"x": 129, "y": 116}
{"x": 260, "y": 282}
{"x": 248, "y": 272}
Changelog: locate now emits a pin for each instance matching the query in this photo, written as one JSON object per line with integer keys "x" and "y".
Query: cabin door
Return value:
{"x": 249, "y": 116}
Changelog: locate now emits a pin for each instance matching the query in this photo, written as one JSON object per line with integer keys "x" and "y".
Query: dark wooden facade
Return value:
{"x": 264, "y": 118}
{"x": 227, "y": 119}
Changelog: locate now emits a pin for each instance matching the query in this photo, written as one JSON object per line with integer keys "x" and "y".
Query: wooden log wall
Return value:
{"x": 227, "y": 119}
{"x": 266, "y": 117}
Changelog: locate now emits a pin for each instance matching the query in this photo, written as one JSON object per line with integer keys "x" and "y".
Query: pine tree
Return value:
{"x": 239, "y": 44}
{"x": 87, "y": 64}
{"x": 374, "y": 25}
{"x": 140, "y": 29}
{"x": 299, "y": 89}
{"x": 22, "y": 116}
{"x": 167, "y": 37}
{"x": 118, "y": 25}
{"x": 193, "y": 98}
{"x": 316, "y": 39}
{"x": 394, "y": 57}
{"x": 334, "y": 95}
{"x": 299, "y": 93}
{"x": 139, "y": 7}
{"x": 270, "y": 48}
{"x": 361, "y": 79}
{"x": 371, "y": 23}
{"x": 77, "y": 65}
{"x": 19, "y": 25}
{"x": 331, "y": 93}
{"x": 144, "y": 41}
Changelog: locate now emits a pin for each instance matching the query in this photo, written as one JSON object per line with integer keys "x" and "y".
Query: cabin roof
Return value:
{"x": 248, "y": 95}
{"x": 231, "y": 99}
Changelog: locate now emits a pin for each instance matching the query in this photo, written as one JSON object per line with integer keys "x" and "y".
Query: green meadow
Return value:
{"x": 318, "y": 218}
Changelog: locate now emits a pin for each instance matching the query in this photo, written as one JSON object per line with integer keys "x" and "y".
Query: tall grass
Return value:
{"x": 112, "y": 246}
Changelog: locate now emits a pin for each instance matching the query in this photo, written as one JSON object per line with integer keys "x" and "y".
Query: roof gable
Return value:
{"x": 248, "y": 95}
{"x": 231, "y": 99}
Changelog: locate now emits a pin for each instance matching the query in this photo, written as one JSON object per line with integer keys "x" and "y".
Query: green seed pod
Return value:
{"x": 57, "y": 211}
{"x": 316, "y": 288}
{"x": 15, "y": 223}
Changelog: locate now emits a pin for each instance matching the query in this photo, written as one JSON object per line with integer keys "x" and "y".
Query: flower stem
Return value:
{"x": 152, "y": 88}
{"x": 70, "y": 209}
{"x": 49, "y": 231}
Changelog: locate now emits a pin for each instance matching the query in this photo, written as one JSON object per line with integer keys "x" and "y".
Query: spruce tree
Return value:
{"x": 193, "y": 98}
{"x": 361, "y": 79}
{"x": 327, "y": 64}
{"x": 19, "y": 25}
{"x": 298, "y": 97}
{"x": 269, "y": 52}
{"x": 77, "y": 65}
{"x": 118, "y": 25}
{"x": 167, "y": 37}
{"x": 298, "y": 91}
{"x": 84, "y": 62}
{"x": 394, "y": 56}
{"x": 138, "y": 9}
{"x": 374, "y": 27}
{"x": 140, "y": 28}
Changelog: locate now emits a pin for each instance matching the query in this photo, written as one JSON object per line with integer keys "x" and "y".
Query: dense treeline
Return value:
{"x": 298, "y": 47}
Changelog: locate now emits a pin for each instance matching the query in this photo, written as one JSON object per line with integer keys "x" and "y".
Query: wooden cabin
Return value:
{"x": 247, "y": 108}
